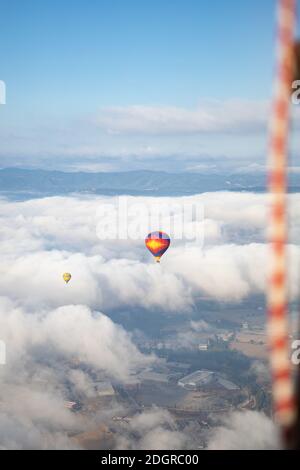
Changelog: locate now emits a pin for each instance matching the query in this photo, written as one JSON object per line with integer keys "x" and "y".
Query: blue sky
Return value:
{"x": 102, "y": 79}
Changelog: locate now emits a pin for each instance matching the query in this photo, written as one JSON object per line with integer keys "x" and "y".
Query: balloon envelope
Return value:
{"x": 66, "y": 277}
{"x": 157, "y": 243}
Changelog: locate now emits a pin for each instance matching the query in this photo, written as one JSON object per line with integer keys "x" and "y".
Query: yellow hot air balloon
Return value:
{"x": 66, "y": 277}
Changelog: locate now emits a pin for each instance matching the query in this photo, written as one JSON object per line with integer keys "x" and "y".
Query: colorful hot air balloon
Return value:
{"x": 157, "y": 243}
{"x": 67, "y": 277}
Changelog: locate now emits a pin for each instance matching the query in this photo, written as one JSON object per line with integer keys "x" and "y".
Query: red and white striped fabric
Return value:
{"x": 283, "y": 390}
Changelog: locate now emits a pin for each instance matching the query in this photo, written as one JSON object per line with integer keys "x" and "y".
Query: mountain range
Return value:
{"x": 152, "y": 183}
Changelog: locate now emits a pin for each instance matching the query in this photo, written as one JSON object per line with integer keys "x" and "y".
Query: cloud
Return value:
{"x": 50, "y": 327}
{"x": 32, "y": 412}
{"x": 44, "y": 348}
{"x": 209, "y": 117}
{"x": 73, "y": 332}
{"x": 262, "y": 371}
{"x": 189, "y": 335}
{"x": 145, "y": 136}
{"x": 152, "y": 430}
{"x": 237, "y": 433}
{"x": 40, "y": 239}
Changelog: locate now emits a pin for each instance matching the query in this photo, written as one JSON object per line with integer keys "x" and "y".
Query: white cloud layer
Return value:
{"x": 208, "y": 117}
{"x": 132, "y": 137}
{"x": 152, "y": 430}
{"x": 44, "y": 348}
{"x": 248, "y": 430}
{"x": 49, "y": 327}
{"x": 41, "y": 239}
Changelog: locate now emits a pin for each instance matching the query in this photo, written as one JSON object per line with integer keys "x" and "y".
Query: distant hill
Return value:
{"x": 42, "y": 182}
